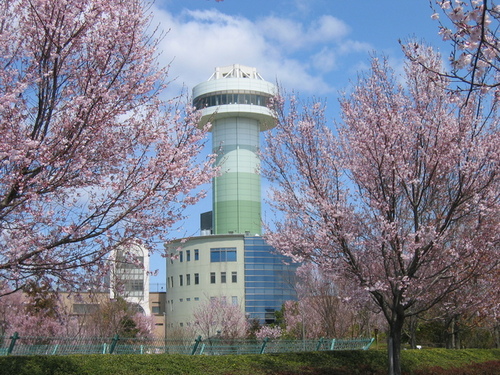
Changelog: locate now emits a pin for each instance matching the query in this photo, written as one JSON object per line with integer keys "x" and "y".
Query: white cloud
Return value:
{"x": 325, "y": 60}
{"x": 292, "y": 35}
{"x": 295, "y": 54}
{"x": 328, "y": 28}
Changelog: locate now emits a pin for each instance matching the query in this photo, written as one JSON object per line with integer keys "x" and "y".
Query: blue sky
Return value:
{"x": 313, "y": 47}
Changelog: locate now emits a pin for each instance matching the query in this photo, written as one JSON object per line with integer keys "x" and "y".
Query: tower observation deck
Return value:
{"x": 235, "y": 100}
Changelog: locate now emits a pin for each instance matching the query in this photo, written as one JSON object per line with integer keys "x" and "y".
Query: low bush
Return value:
{"x": 373, "y": 362}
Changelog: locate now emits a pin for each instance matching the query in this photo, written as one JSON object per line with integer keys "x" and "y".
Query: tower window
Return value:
{"x": 223, "y": 277}
{"x": 212, "y": 277}
{"x": 188, "y": 255}
{"x": 234, "y": 277}
{"x": 196, "y": 278}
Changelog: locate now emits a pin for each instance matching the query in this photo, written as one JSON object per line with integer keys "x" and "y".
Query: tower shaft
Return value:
{"x": 237, "y": 197}
{"x": 235, "y": 100}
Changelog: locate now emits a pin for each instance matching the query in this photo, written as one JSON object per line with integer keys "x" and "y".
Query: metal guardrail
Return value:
{"x": 17, "y": 345}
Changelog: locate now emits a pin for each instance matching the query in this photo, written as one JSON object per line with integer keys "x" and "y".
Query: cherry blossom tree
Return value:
{"x": 471, "y": 26}
{"x": 35, "y": 312}
{"x": 91, "y": 157}
{"x": 38, "y": 312}
{"x": 115, "y": 316}
{"x": 403, "y": 201}
{"x": 269, "y": 332}
{"x": 216, "y": 318}
{"x": 326, "y": 306}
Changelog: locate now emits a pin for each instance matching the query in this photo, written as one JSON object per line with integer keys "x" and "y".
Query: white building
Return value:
{"x": 130, "y": 277}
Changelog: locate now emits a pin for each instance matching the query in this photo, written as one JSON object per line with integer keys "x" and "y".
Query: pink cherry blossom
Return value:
{"x": 91, "y": 157}
{"x": 401, "y": 199}
{"x": 472, "y": 28}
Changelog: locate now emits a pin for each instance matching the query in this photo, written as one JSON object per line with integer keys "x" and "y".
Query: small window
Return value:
{"x": 188, "y": 255}
{"x": 188, "y": 279}
{"x": 180, "y": 280}
{"x": 181, "y": 258}
{"x": 196, "y": 298}
{"x": 234, "y": 277}
{"x": 196, "y": 254}
{"x": 196, "y": 278}
{"x": 234, "y": 300}
{"x": 223, "y": 277}
{"x": 188, "y": 299}
{"x": 212, "y": 277}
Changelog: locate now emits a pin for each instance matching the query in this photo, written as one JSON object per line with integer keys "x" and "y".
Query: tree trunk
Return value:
{"x": 497, "y": 335}
{"x": 413, "y": 331}
{"x": 394, "y": 345}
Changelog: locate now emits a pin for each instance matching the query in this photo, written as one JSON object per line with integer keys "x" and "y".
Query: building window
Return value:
{"x": 212, "y": 277}
{"x": 234, "y": 300}
{"x": 223, "y": 277}
{"x": 155, "y": 310}
{"x": 196, "y": 278}
{"x": 231, "y": 97}
{"x": 180, "y": 280}
{"x": 188, "y": 279}
{"x": 188, "y": 255}
{"x": 224, "y": 254}
{"x": 196, "y": 254}
{"x": 196, "y": 298}
{"x": 181, "y": 257}
{"x": 134, "y": 288}
{"x": 188, "y": 299}
{"x": 171, "y": 258}
{"x": 234, "y": 277}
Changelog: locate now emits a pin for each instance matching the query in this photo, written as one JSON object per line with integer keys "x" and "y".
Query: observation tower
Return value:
{"x": 235, "y": 99}
{"x": 230, "y": 259}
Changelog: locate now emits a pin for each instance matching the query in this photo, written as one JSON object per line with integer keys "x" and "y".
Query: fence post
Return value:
{"x": 367, "y": 346}
{"x": 263, "y": 347}
{"x": 13, "y": 340}
{"x": 113, "y": 343}
{"x": 195, "y": 346}
{"x": 333, "y": 344}
{"x": 320, "y": 342}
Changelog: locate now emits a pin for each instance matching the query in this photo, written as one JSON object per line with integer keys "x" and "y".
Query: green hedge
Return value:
{"x": 415, "y": 362}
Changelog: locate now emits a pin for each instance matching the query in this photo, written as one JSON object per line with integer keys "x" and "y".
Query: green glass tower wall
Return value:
{"x": 237, "y": 197}
{"x": 235, "y": 101}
